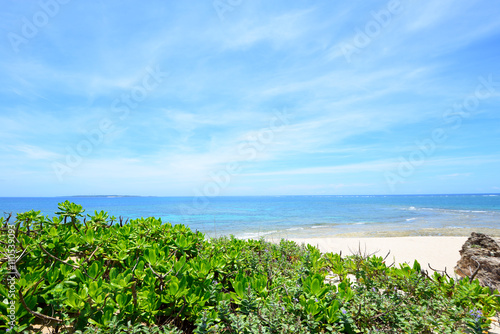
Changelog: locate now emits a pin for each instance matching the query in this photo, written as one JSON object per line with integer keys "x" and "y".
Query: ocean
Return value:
{"x": 276, "y": 217}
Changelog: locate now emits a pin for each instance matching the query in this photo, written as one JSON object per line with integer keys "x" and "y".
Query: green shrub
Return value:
{"x": 97, "y": 275}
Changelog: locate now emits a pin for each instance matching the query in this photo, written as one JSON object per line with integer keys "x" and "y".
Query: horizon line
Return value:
{"x": 303, "y": 195}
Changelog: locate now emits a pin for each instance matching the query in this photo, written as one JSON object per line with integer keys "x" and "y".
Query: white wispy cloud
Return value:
{"x": 32, "y": 152}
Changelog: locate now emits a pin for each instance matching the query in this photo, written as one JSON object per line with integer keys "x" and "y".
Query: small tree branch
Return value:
{"x": 36, "y": 314}
{"x": 161, "y": 277}
{"x": 88, "y": 259}
{"x": 56, "y": 258}
{"x": 74, "y": 225}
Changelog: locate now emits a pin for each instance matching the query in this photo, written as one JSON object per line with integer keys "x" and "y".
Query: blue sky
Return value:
{"x": 239, "y": 97}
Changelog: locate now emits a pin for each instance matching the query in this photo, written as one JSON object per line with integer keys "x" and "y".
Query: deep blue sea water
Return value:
{"x": 297, "y": 216}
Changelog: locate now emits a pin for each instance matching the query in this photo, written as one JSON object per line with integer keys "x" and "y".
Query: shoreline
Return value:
{"x": 441, "y": 252}
{"x": 311, "y": 233}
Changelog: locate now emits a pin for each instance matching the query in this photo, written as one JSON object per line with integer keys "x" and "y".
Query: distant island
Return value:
{"x": 109, "y": 196}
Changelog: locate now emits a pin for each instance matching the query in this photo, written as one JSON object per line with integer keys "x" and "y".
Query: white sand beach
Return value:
{"x": 439, "y": 252}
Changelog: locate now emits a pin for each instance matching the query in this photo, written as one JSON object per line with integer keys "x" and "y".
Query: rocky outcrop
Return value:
{"x": 480, "y": 258}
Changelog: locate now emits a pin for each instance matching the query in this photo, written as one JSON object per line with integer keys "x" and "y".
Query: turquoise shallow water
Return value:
{"x": 298, "y": 216}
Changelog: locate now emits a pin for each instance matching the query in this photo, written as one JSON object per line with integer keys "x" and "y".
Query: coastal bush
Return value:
{"x": 98, "y": 274}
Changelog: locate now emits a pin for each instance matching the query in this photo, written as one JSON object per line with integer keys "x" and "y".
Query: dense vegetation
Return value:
{"x": 100, "y": 275}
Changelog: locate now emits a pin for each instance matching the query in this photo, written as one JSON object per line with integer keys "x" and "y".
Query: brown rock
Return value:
{"x": 480, "y": 258}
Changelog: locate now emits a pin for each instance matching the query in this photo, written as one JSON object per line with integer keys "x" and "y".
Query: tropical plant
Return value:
{"x": 93, "y": 275}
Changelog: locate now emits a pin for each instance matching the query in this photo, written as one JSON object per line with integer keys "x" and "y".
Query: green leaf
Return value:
{"x": 108, "y": 314}
{"x": 90, "y": 236}
{"x": 315, "y": 287}
{"x": 180, "y": 264}
{"x": 333, "y": 312}
{"x": 53, "y": 232}
{"x": 181, "y": 242}
{"x": 93, "y": 289}
{"x": 122, "y": 300}
{"x": 150, "y": 255}
{"x": 53, "y": 275}
{"x": 139, "y": 270}
{"x": 113, "y": 273}
{"x": 416, "y": 266}
{"x": 173, "y": 288}
{"x": 70, "y": 283}
{"x": 93, "y": 270}
{"x": 72, "y": 298}
{"x": 122, "y": 255}
{"x": 239, "y": 288}
{"x": 92, "y": 321}
{"x": 79, "y": 274}
{"x": 99, "y": 299}
{"x": 84, "y": 292}
{"x": 65, "y": 270}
